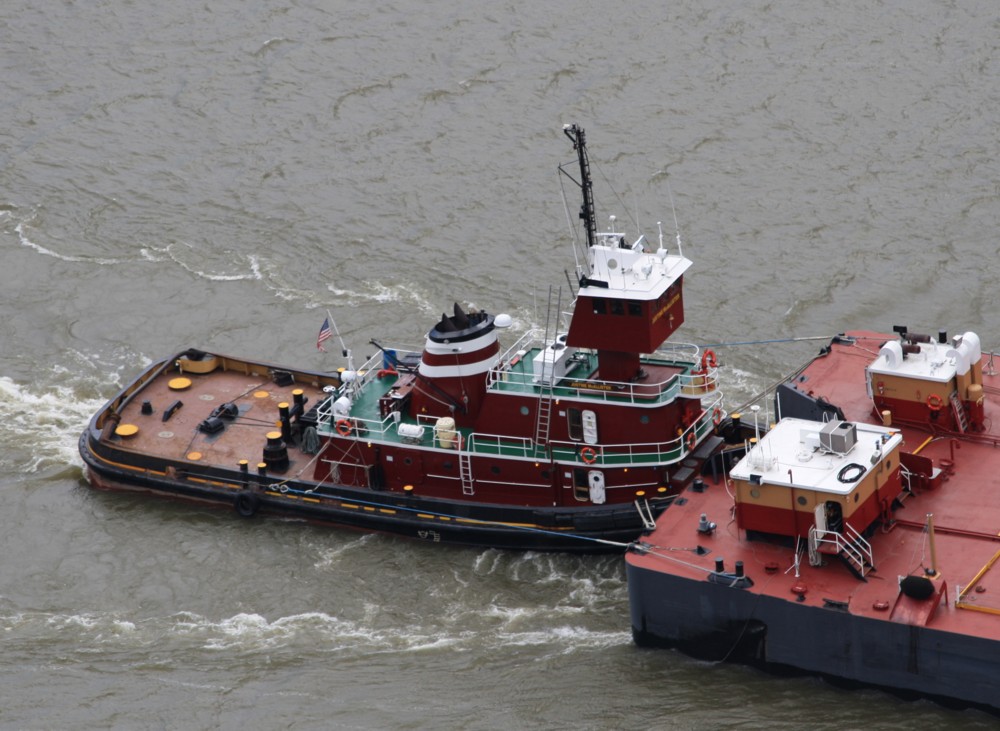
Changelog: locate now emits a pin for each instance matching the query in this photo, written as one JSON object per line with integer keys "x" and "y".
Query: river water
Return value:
{"x": 221, "y": 174}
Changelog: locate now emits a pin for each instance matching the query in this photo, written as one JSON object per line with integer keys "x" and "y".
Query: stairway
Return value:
{"x": 849, "y": 546}
{"x": 961, "y": 420}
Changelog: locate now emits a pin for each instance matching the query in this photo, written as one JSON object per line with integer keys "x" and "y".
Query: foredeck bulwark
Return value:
{"x": 162, "y": 413}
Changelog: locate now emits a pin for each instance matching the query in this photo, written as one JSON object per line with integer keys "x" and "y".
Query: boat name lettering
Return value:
{"x": 592, "y": 386}
{"x": 663, "y": 310}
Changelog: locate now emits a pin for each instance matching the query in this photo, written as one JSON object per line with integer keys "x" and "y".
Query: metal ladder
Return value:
{"x": 543, "y": 423}
{"x": 543, "y": 419}
{"x": 959, "y": 411}
{"x": 465, "y": 470}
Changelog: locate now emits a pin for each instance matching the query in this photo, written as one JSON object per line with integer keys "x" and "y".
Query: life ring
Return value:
{"x": 691, "y": 440}
{"x": 246, "y": 503}
{"x": 344, "y": 428}
{"x": 716, "y": 416}
{"x": 708, "y": 360}
{"x": 934, "y": 402}
{"x": 588, "y": 455}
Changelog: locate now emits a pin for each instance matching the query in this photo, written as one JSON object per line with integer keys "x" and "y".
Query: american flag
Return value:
{"x": 324, "y": 334}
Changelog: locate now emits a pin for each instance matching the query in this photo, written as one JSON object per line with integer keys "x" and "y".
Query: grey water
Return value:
{"x": 222, "y": 174}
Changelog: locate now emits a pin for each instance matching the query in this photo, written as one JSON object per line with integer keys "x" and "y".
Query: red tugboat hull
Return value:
{"x": 142, "y": 441}
{"x": 569, "y": 439}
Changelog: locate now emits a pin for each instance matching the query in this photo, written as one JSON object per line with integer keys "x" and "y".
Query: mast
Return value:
{"x": 576, "y": 134}
{"x": 630, "y": 299}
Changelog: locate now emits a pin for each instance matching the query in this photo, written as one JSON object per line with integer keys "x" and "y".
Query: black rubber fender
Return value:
{"x": 246, "y": 503}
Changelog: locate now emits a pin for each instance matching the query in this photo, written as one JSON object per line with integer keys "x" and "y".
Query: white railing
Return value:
{"x": 692, "y": 384}
{"x": 326, "y": 423}
{"x": 667, "y": 452}
{"x": 605, "y": 455}
{"x": 374, "y": 367}
{"x": 685, "y": 352}
{"x": 495, "y": 444}
{"x": 852, "y": 546}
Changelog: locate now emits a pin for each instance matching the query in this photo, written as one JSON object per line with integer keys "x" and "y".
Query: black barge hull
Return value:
{"x": 718, "y": 623}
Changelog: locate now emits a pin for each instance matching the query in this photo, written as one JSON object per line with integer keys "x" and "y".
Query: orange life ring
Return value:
{"x": 716, "y": 416}
{"x": 691, "y": 440}
{"x": 934, "y": 402}
{"x": 344, "y": 428}
{"x": 708, "y": 360}
{"x": 588, "y": 455}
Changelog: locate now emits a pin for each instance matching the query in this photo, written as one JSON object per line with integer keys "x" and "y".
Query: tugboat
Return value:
{"x": 857, "y": 538}
{"x": 572, "y": 439}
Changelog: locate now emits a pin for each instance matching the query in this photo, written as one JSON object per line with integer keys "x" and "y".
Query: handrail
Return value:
{"x": 693, "y": 384}
{"x": 857, "y": 549}
{"x": 494, "y": 443}
{"x": 863, "y": 546}
{"x": 669, "y": 451}
{"x": 372, "y": 367}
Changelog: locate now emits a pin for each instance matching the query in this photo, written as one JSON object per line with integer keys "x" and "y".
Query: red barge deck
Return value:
{"x": 858, "y": 538}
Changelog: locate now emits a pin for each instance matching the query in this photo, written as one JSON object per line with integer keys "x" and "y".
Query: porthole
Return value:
{"x": 802, "y": 500}
{"x": 525, "y": 411}
{"x": 755, "y": 492}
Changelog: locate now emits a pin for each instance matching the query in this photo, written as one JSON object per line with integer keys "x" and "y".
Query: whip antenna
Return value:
{"x": 677, "y": 228}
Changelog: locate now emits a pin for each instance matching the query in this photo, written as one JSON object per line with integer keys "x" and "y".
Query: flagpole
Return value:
{"x": 343, "y": 348}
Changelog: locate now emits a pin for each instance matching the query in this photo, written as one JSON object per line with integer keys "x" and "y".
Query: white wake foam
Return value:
{"x": 44, "y": 423}
{"x": 22, "y": 236}
{"x": 319, "y": 631}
